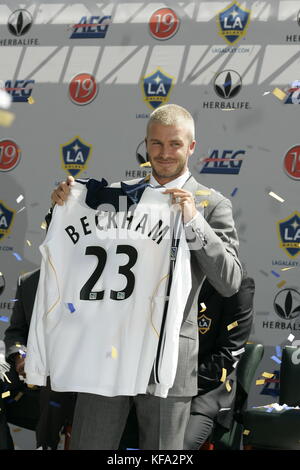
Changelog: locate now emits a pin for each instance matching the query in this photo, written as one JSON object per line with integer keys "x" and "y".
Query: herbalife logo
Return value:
{"x": 227, "y": 84}
{"x": 287, "y": 304}
{"x": 19, "y": 22}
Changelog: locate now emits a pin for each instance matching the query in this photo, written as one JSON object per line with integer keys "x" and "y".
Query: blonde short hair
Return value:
{"x": 170, "y": 115}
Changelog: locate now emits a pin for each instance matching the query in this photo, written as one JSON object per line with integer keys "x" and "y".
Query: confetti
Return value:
{"x": 18, "y": 345}
{"x": 55, "y": 404}
{"x": 266, "y": 93}
{"x": 228, "y": 386}
{"x": 279, "y": 94}
{"x": 5, "y": 394}
{"x": 260, "y": 382}
{"x": 147, "y": 178}
{"x": 203, "y": 192}
{"x": 246, "y": 432}
{"x": 232, "y": 325}
{"x": 275, "y": 196}
{"x": 204, "y": 203}
{"x": 71, "y": 307}
{"x": 4, "y": 318}
{"x": 278, "y": 351}
{"x": 114, "y": 352}
{"x": 224, "y": 374}
{"x": 268, "y": 375}
{"x": 20, "y": 210}
{"x": 264, "y": 273}
{"x": 275, "y": 274}
{"x": 234, "y": 192}
{"x": 22, "y": 353}
{"x": 28, "y": 242}
{"x": 20, "y": 198}
{"x": 281, "y": 284}
{"x": 32, "y": 386}
{"x": 31, "y": 100}
{"x": 145, "y": 164}
{"x": 18, "y": 396}
{"x": 6, "y": 118}
{"x": 43, "y": 225}
{"x": 291, "y": 337}
{"x": 276, "y": 359}
{"x": 18, "y": 257}
{"x": 286, "y": 269}
{"x": 203, "y": 307}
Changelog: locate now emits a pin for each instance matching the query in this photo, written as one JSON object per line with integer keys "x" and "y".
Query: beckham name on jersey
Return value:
{"x": 131, "y": 221}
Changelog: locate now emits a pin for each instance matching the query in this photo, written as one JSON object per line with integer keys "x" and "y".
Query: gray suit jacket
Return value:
{"x": 213, "y": 243}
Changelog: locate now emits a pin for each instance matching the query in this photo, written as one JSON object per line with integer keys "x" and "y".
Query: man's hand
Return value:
{"x": 19, "y": 365}
{"x": 61, "y": 193}
{"x": 186, "y": 201}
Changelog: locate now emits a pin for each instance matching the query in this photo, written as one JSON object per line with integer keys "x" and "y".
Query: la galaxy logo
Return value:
{"x": 156, "y": 88}
{"x": 293, "y": 96}
{"x": 91, "y": 28}
{"x": 6, "y": 219}
{"x": 289, "y": 234}
{"x": 75, "y": 154}
{"x": 233, "y": 22}
{"x": 204, "y": 324}
{"x": 20, "y": 90}
{"x": 227, "y": 161}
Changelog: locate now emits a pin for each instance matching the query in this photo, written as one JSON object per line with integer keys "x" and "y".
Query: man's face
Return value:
{"x": 169, "y": 148}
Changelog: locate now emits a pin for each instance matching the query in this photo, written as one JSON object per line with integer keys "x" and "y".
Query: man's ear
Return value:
{"x": 192, "y": 147}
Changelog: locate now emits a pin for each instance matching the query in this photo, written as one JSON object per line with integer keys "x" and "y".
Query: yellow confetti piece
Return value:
{"x": 18, "y": 345}
{"x": 203, "y": 307}
{"x": 267, "y": 375}
{"x": 147, "y": 178}
{"x": 286, "y": 269}
{"x": 17, "y": 429}
{"x": 203, "y": 192}
{"x": 28, "y": 242}
{"x": 228, "y": 386}
{"x": 6, "y": 118}
{"x": 279, "y": 93}
{"x": 203, "y": 203}
{"x": 145, "y": 164}
{"x": 246, "y": 432}
{"x": 18, "y": 396}
{"x": 224, "y": 374}
{"x": 280, "y": 284}
{"x": 5, "y": 394}
{"x": 260, "y": 382}
{"x": 114, "y": 352}
{"x": 44, "y": 225}
{"x": 232, "y": 325}
{"x": 31, "y": 100}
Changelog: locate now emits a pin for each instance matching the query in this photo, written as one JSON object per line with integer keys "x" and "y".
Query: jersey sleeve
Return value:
{"x": 47, "y": 296}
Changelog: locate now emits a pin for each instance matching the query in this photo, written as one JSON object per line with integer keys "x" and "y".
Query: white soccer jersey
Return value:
{"x": 98, "y": 313}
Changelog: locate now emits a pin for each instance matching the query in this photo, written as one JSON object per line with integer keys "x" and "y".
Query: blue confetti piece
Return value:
{"x": 71, "y": 307}
{"x": 278, "y": 351}
{"x": 18, "y": 257}
{"x": 275, "y": 274}
{"x": 131, "y": 448}
{"x": 55, "y": 404}
{"x": 276, "y": 359}
{"x": 234, "y": 192}
{"x": 269, "y": 410}
{"x": 4, "y": 318}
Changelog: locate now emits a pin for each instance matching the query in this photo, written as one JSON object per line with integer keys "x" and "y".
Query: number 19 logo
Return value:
{"x": 83, "y": 89}
{"x": 9, "y": 155}
{"x": 163, "y": 24}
